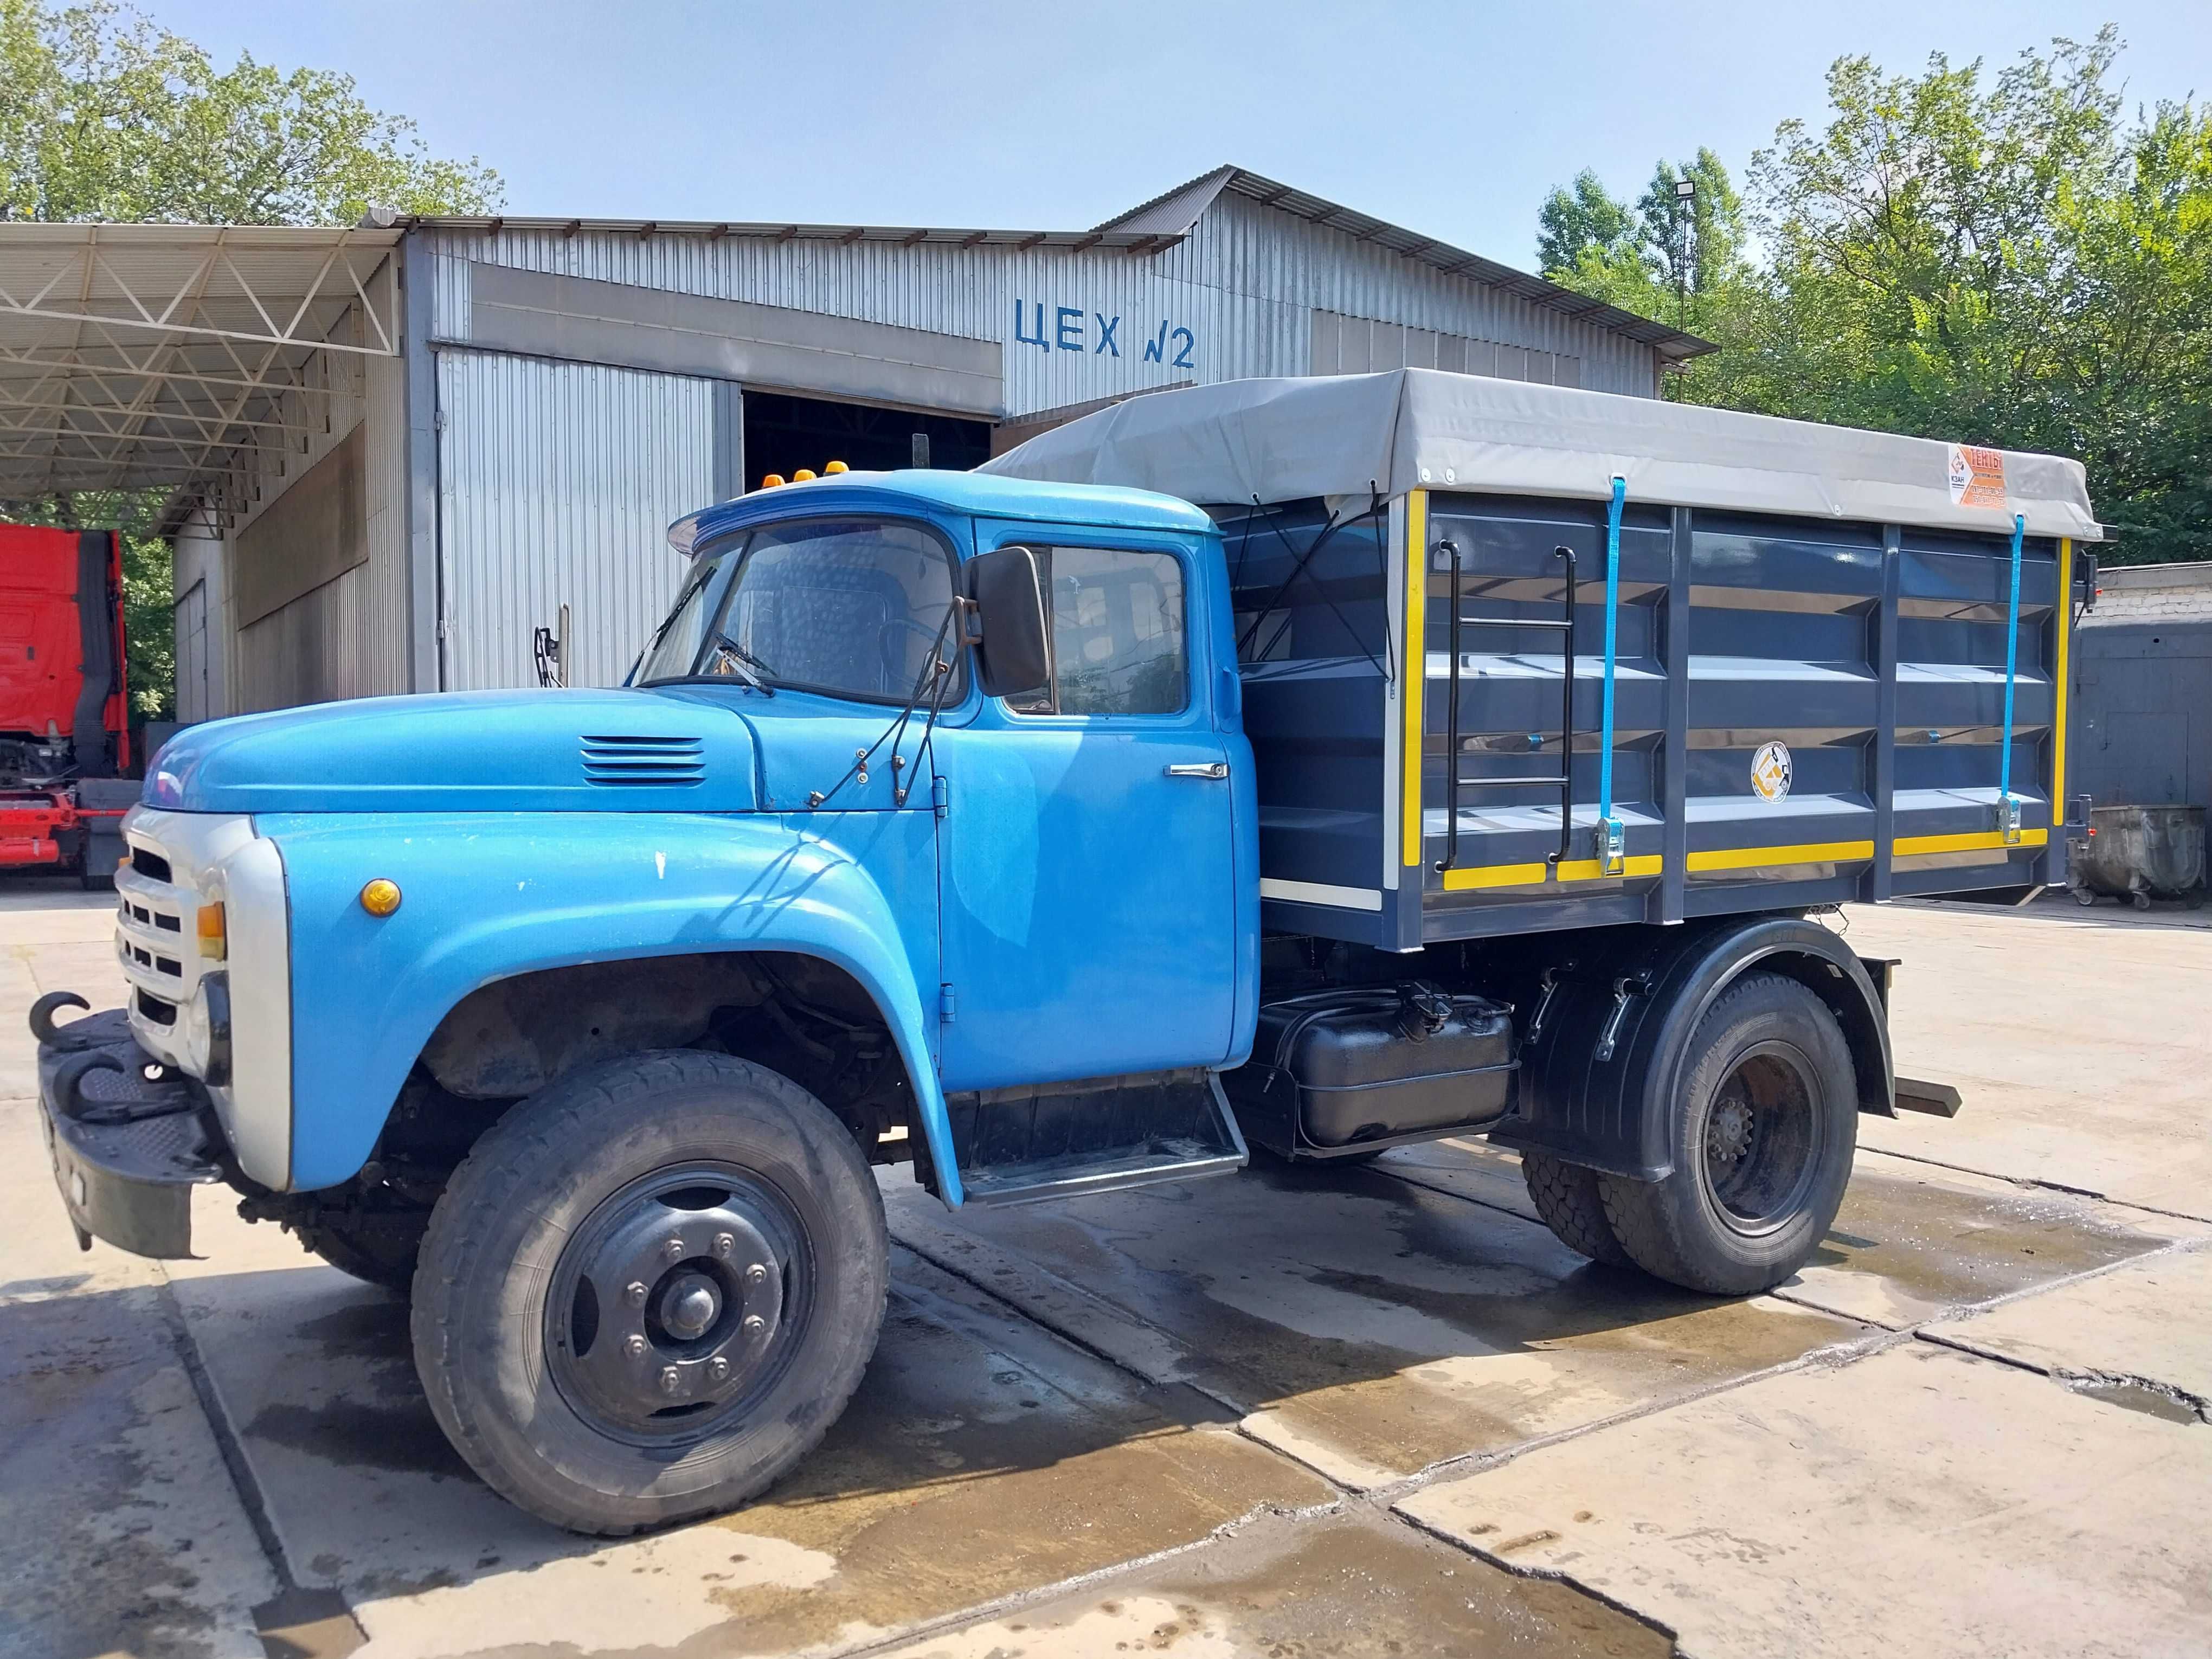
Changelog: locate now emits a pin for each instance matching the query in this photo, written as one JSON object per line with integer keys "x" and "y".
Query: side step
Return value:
{"x": 1025, "y": 1145}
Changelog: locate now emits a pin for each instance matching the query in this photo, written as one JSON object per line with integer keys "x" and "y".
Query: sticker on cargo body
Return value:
{"x": 1976, "y": 477}
{"x": 1770, "y": 771}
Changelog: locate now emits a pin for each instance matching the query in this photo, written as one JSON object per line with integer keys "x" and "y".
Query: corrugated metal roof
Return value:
{"x": 715, "y": 230}
{"x": 144, "y": 356}
{"x": 1173, "y": 214}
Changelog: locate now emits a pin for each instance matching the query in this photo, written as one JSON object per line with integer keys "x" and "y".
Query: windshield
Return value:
{"x": 851, "y": 608}
{"x": 676, "y": 643}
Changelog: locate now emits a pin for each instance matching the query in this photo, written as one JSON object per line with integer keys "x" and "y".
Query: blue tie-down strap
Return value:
{"x": 1611, "y": 849}
{"x": 2008, "y": 808}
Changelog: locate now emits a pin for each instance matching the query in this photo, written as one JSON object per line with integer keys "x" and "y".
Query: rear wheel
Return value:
{"x": 649, "y": 1290}
{"x": 1762, "y": 1142}
{"x": 1566, "y": 1196}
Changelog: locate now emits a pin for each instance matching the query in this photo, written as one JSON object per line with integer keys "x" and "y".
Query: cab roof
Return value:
{"x": 974, "y": 494}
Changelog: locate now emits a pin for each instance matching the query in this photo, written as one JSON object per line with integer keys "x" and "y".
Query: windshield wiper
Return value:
{"x": 753, "y": 670}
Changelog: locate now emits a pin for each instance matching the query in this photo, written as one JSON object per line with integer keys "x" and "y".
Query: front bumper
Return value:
{"x": 127, "y": 1151}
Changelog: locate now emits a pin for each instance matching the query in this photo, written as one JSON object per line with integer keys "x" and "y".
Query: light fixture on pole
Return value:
{"x": 1686, "y": 194}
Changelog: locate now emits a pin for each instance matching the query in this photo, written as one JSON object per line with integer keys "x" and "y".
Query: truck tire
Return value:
{"x": 1763, "y": 1138}
{"x": 378, "y": 1256}
{"x": 649, "y": 1290}
{"x": 1566, "y": 1196}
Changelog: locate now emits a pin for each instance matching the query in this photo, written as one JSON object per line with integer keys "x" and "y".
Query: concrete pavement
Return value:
{"x": 1369, "y": 1412}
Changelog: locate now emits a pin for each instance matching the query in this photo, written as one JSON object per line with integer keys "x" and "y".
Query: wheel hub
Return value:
{"x": 1729, "y": 1131}
{"x": 662, "y": 1312}
{"x": 690, "y": 1305}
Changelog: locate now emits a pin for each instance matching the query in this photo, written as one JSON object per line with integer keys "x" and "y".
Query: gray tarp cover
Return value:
{"x": 1289, "y": 440}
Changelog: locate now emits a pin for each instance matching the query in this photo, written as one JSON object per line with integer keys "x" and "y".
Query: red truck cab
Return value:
{"x": 64, "y": 712}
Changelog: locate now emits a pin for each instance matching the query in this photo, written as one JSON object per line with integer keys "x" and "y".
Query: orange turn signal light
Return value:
{"x": 214, "y": 938}
{"x": 380, "y": 897}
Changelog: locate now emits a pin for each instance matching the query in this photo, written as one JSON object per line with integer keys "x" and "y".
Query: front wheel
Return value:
{"x": 1762, "y": 1142}
{"x": 649, "y": 1290}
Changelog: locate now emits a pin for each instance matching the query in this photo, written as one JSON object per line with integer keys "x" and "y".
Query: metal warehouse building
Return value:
{"x": 393, "y": 455}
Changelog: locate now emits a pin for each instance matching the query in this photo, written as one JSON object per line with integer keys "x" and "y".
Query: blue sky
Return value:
{"x": 1453, "y": 119}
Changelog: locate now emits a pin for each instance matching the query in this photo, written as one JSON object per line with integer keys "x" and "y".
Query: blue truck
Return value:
{"x": 1304, "y": 767}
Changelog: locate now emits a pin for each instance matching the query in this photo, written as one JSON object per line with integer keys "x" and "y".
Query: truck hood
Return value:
{"x": 479, "y": 751}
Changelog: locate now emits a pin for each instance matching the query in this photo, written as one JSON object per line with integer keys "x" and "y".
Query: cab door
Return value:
{"x": 1087, "y": 857}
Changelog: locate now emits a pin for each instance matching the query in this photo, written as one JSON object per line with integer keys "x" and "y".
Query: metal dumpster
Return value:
{"x": 2139, "y": 853}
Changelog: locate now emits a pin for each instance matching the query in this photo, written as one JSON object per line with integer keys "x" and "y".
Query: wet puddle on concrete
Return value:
{"x": 1910, "y": 1243}
{"x": 1907, "y": 1247}
{"x": 2129, "y": 1394}
{"x": 1342, "y": 1587}
{"x": 981, "y": 1457}
{"x": 1372, "y": 1327}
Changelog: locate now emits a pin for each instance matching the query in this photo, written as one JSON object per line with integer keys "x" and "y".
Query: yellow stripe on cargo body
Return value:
{"x": 1762, "y": 858}
{"x": 1415, "y": 675}
{"x": 2065, "y": 625}
{"x": 1533, "y": 875}
{"x": 1978, "y": 841}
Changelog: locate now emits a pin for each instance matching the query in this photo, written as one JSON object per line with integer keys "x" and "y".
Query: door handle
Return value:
{"x": 1198, "y": 770}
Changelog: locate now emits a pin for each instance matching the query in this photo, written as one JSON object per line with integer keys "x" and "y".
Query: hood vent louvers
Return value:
{"x": 633, "y": 762}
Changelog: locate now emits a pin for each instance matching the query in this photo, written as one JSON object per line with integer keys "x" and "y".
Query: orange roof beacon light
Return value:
{"x": 804, "y": 475}
{"x": 771, "y": 480}
{"x": 834, "y": 468}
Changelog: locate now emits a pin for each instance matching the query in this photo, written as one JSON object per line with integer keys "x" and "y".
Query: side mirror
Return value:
{"x": 1013, "y": 655}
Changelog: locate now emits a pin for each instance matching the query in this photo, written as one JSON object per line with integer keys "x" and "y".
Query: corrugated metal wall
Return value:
{"x": 556, "y": 484}
{"x": 1235, "y": 299}
{"x": 348, "y": 637}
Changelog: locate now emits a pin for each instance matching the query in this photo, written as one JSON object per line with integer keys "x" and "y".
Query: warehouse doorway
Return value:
{"x": 784, "y": 434}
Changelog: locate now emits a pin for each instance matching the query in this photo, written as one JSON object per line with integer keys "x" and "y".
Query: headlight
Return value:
{"x": 203, "y": 1024}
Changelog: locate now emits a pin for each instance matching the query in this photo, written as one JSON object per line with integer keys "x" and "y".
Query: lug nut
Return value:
{"x": 719, "y": 1369}
{"x": 754, "y": 1324}
{"x": 673, "y": 1249}
{"x": 671, "y": 1379}
{"x": 634, "y": 1346}
{"x": 756, "y": 1274}
{"x": 724, "y": 1243}
{"x": 635, "y": 1291}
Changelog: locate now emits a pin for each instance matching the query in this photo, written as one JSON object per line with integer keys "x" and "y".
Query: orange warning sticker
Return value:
{"x": 1976, "y": 477}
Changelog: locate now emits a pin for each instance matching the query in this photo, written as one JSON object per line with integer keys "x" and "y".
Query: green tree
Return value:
{"x": 1583, "y": 219}
{"x": 105, "y": 116}
{"x": 1678, "y": 260}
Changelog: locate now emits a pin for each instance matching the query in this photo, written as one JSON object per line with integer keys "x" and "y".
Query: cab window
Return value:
{"x": 1117, "y": 634}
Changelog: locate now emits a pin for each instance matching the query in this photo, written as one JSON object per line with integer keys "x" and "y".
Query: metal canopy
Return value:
{"x": 145, "y": 358}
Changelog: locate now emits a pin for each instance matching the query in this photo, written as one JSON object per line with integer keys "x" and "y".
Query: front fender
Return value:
{"x": 486, "y": 896}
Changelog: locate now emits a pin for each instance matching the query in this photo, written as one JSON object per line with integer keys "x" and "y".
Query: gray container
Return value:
{"x": 2139, "y": 853}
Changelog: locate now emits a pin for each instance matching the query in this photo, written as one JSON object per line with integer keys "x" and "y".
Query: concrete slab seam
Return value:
{"x": 290, "y": 1592}
{"x": 2068, "y": 1377}
{"x": 2102, "y": 1270}
{"x": 1555, "y": 1575}
{"x": 945, "y": 1262}
{"x": 1016, "y": 1600}
{"x": 2037, "y": 1183}
{"x": 1412, "y": 1178}
{"x": 1834, "y": 1356}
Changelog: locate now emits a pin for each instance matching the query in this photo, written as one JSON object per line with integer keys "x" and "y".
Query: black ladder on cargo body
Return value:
{"x": 1563, "y": 781}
